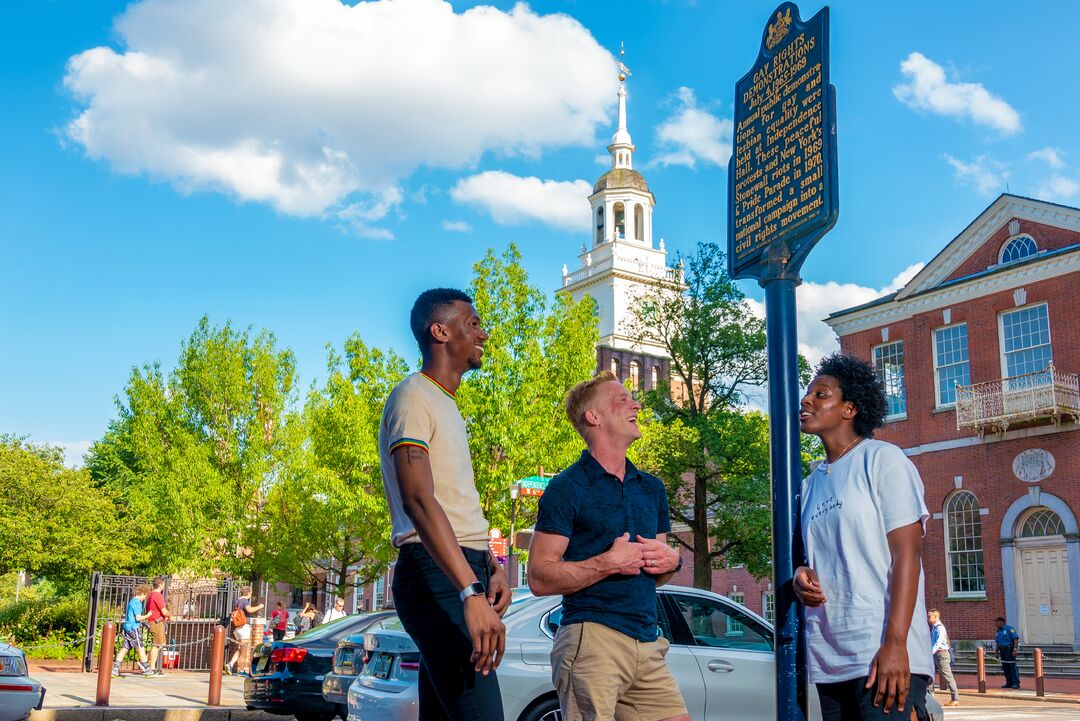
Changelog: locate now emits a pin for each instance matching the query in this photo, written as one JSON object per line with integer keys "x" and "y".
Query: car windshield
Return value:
{"x": 521, "y": 602}
{"x": 338, "y": 627}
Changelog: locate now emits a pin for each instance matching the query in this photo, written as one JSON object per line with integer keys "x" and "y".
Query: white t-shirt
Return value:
{"x": 333, "y": 614}
{"x": 846, "y": 516}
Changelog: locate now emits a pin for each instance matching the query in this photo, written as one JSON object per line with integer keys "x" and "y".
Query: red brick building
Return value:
{"x": 979, "y": 353}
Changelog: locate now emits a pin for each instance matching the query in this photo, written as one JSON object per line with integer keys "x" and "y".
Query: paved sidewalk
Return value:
{"x": 176, "y": 689}
{"x": 1059, "y": 690}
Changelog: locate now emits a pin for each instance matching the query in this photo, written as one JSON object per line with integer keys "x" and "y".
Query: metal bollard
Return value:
{"x": 217, "y": 662}
{"x": 1040, "y": 687}
{"x": 980, "y": 660}
{"x": 105, "y": 662}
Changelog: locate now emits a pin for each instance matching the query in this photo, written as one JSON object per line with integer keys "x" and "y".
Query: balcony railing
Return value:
{"x": 657, "y": 272}
{"x": 998, "y": 404}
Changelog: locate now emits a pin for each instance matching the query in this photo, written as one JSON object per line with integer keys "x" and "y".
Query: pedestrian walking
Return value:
{"x": 448, "y": 589}
{"x": 1007, "y": 640}
{"x": 306, "y": 618}
{"x": 279, "y": 621}
{"x": 243, "y": 609}
{"x": 862, "y": 520}
{"x": 600, "y": 541}
{"x": 941, "y": 649}
{"x": 338, "y": 611}
{"x": 131, "y": 631}
{"x": 158, "y": 613}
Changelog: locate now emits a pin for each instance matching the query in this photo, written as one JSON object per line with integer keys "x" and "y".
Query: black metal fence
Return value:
{"x": 197, "y": 605}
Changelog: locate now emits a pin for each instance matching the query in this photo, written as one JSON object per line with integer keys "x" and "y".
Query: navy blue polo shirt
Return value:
{"x": 592, "y": 508}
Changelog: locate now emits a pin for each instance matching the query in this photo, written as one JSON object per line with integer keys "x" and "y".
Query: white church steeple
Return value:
{"x": 621, "y": 264}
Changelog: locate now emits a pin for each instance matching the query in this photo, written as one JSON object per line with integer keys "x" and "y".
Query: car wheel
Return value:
{"x": 314, "y": 715}
{"x": 544, "y": 710}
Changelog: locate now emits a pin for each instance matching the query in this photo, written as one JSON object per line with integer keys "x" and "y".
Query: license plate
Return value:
{"x": 347, "y": 658}
{"x": 262, "y": 663}
{"x": 381, "y": 667}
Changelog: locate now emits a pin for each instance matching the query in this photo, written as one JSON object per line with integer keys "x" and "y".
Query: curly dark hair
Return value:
{"x": 860, "y": 385}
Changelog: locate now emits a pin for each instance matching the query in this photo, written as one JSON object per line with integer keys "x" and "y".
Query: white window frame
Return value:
{"x": 1001, "y": 333}
{"x": 946, "y": 527}
{"x": 768, "y": 606}
{"x": 937, "y": 368}
{"x": 873, "y": 362}
{"x": 734, "y": 626}
{"x": 1008, "y": 242}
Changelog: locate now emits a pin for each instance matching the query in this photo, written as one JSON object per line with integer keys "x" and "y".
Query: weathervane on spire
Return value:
{"x": 623, "y": 70}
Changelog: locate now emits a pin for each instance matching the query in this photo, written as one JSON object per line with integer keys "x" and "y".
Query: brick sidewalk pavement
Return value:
{"x": 1057, "y": 689}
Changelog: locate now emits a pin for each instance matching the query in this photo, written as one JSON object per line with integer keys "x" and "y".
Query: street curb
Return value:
{"x": 1052, "y": 698}
{"x": 108, "y": 713}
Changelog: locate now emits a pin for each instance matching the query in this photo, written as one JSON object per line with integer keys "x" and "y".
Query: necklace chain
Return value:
{"x": 828, "y": 464}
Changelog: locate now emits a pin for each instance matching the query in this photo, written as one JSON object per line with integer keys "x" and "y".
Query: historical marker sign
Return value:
{"x": 782, "y": 188}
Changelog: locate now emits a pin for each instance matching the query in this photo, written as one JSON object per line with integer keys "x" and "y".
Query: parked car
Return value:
{"x": 287, "y": 676}
{"x": 349, "y": 659}
{"x": 19, "y": 694}
{"x": 721, "y": 656}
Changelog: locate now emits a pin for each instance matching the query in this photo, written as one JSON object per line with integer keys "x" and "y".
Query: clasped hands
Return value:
{"x": 646, "y": 555}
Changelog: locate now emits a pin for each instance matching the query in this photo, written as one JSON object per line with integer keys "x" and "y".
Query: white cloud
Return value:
{"x": 985, "y": 175}
{"x": 512, "y": 200}
{"x": 73, "y": 451}
{"x": 815, "y": 301}
{"x": 320, "y": 108}
{"x": 928, "y": 89}
{"x": 693, "y": 135}
{"x": 1057, "y": 188}
{"x": 1050, "y": 156}
{"x": 456, "y": 226}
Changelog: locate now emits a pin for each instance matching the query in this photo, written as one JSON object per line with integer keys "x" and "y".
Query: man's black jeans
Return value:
{"x": 852, "y": 701}
{"x": 433, "y": 615}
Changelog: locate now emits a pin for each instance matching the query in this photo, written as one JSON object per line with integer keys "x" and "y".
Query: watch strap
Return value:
{"x": 473, "y": 589}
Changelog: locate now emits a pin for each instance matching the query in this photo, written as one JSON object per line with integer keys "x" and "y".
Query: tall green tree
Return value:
{"x": 191, "y": 456}
{"x": 712, "y": 453}
{"x": 538, "y": 348}
{"x": 54, "y": 522}
{"x": 326, "y": 519}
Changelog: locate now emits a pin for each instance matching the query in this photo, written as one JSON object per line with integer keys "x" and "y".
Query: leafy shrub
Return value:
{"x": 45, "y": 622}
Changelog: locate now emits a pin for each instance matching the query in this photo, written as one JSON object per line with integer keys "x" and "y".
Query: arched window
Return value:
{"x": 639, "y": 222}
{"x": 600, "y": 225}
{"x": 635, "y": 375}
{"x": 655, "y": 377}
{"x": 620, "y": 219}
{"x": 1017, "y": 248}
{"x": 615, "y": 366}
{"x": 1042, "y": 522}
{"x": 963, "y": 545}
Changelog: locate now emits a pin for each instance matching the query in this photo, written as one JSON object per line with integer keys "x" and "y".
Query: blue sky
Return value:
{"x": 306, "y": 167}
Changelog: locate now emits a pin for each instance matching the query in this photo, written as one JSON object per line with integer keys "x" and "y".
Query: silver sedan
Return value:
{"x": 721, "y": 656}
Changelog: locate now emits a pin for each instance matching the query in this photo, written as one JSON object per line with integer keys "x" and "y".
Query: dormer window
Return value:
{"x": 1019, "y": 247}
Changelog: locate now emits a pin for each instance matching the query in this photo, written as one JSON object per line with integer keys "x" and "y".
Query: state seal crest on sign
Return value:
{"x": 779, "y": 29}
{"x": 1033, "y": 465}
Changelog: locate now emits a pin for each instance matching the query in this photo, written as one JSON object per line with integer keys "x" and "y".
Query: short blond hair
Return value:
{"x": 142, "y": 590}
{"x": 579, "y": 399}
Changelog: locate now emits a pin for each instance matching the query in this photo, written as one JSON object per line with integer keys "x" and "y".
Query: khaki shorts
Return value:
{"x": 157, "y": 632}
{"x": 602, "y": 674}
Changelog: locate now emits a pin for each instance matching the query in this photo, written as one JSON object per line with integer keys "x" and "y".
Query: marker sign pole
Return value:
{"x": 782, "y": 198}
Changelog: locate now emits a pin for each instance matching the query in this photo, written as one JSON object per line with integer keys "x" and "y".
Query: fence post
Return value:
{"x": 105, "y": 662}
{"x": 1040, "y": 688}
{"x": 980, "y": 660}
{"x": 217, "y": 662}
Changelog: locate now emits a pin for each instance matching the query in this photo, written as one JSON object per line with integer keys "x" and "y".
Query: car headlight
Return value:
{"x": 12, "y": 666}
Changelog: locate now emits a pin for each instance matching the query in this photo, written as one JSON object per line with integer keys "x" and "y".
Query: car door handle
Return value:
{"x": 720, "y": 666}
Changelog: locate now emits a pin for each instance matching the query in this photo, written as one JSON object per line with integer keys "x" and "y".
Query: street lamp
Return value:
{"x": 515, "y": 489}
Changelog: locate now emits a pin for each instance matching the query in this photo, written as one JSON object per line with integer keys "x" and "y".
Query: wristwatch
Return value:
{"x": 473, "y": 589}
{"x": 679, "y": 567}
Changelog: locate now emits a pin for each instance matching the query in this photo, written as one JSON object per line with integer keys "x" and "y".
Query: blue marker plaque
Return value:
{"x": 782, "y": 190}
